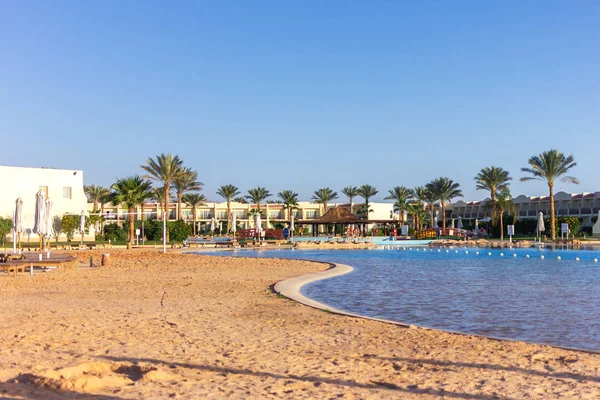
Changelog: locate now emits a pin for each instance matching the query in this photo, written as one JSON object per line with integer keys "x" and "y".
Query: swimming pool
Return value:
{"x": 497, "y": 293}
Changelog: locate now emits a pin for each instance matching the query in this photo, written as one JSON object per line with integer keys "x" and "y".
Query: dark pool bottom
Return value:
{"x": 546, "y": 301}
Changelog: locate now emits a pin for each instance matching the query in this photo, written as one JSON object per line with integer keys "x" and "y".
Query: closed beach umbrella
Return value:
{"x": 258, "y": 224}
{"x": 212, "y": 224}
{"x": 291, "y": 222}
{"x": 233, "y": 227}
{"x": 48, "y": 219}
{"x": 459, "y": 223}
{"x": 540, "y": 223}
{"x": 18, "y": 223}
{"x": 435, "y": 222}
{"x": 220, "y": 226}
{"x": 476, "y": 224}
{"x": 39, "y": 227}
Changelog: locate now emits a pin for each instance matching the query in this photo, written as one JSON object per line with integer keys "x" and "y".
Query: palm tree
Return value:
{"x": 503, "y": 203}
{"x": 550, "y": 166}
{"x": 290, "y": 201}
{"x": 158, "y": 194}
{"x": 366, "y": 192}
{"x": 257, "y": 195}
{"x": 130, "y": 192}
{"x": 186, "y": 182}
{"x": 228, "y": 192}
{"x": 240, "y": 199}
{"x": 194, "y": 200}
{"x": 351, "y": 192}
{"x": 494, "y": 180}
{"x": 96, "y": 194}
{"x": 430, "y": 198}
{"x": 444, "y": 190}
{"x": 165, "y": 169}
{"x": 420, "y": 197}
{"x": 324, "y": 196}
{"x": 402, "y": 195}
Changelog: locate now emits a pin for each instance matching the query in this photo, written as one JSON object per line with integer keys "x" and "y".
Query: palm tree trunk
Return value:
{"x": 501, "y": 226}
{"x": 552, "y": 217}
{"x": 228, "y": 214}
{"x": 351, "y": 205}
{"x": 431, "y": 214}
{"x": 102, "y": 221}
{"x": 96, "y": 205}
{"x": 179, "y": 202}
{"x": 131, "y": 227}
{"x": 443, "y": 215}
{"x": 194, "y": 216}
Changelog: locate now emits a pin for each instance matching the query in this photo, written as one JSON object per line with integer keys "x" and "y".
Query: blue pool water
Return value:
{"x": 546, "y": 300}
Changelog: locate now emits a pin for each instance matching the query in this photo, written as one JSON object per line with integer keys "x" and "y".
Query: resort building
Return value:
{"x": 272, "y": 215}
{"x": 63, "y": 187}
{"x": 581, "y": 205}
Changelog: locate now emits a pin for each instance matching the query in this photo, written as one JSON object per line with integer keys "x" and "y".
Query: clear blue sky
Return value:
{"x": 302, "y": 94}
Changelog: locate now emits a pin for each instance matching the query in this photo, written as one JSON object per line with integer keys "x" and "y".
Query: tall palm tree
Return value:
{"x": 186, "y": 182}
{"x": 444, "y": 190}
{"x": 194, "y": 200}
{"x": 164, "y": 169}
{"x": 351, "y": 192}
{"x": 431, "y": 198}
{"x": 503, "y": 203}
{"x": 366, "y": 192}
{"x": 130, "y": 192}
{"x": 96, "y": 194}
{"x": 494, "y": 180}
{"x": 258, "y": 195}
{"x": 290, "y": 201}
{"x": 228, "y": 192}
{"x": 402, "y": 195}
{"x": 550, "y": 166}
{"x": 324, "y": 196}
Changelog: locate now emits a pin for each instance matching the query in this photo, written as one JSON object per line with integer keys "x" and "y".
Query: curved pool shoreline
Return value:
{"x": 292, "y": 288}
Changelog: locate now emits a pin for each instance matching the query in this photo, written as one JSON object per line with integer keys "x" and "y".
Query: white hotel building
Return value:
{"x": 64, "y": 187}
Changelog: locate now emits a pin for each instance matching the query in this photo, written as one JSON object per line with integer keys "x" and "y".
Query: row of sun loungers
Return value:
{"x": 15, "y": 263}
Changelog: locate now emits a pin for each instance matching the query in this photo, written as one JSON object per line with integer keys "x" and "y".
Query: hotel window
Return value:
{"x": 66, "y": 192}
{"x": 310, "y": 214}
{"x": 274, "y": 214}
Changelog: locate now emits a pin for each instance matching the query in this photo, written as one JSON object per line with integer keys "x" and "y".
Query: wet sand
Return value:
{"x": 185, "y": 326}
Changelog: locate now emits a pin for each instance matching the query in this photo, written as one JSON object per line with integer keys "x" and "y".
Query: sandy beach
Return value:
{"x": 172, "y": 325}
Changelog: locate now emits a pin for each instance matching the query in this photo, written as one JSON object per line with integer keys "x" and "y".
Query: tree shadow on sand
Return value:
{"x": 543, "y": 374}
{"x": 315, "y": 379}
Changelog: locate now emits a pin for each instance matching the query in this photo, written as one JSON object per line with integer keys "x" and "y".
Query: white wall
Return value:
{"x": 25, "y": 182}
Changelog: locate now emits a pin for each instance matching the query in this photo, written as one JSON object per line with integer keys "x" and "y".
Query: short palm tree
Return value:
{"x": 494, "y": 180}
{"x": 130, "y": 192}
{"x": 366, "y": 192}
{"x": 194, "y": 200}
{"x": 431, "y": 199}
{"x": 503, "y": 203}
{"x": 420, "y": 198}
{"x": 258, "y": 195}
{"x": 550, "y": 166}
{"x": 96, "y": 195}
{"x": 290, "y": 201}
{"x": 351, "y": 192}
{"x": 444, "y": 190}
{"x": 402, "y": 195}
{"x": 228, "y": 192}
{"x": 165, "y": 169}
{"x": 186, "y": 182}
{"x": 324, "y": 196}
